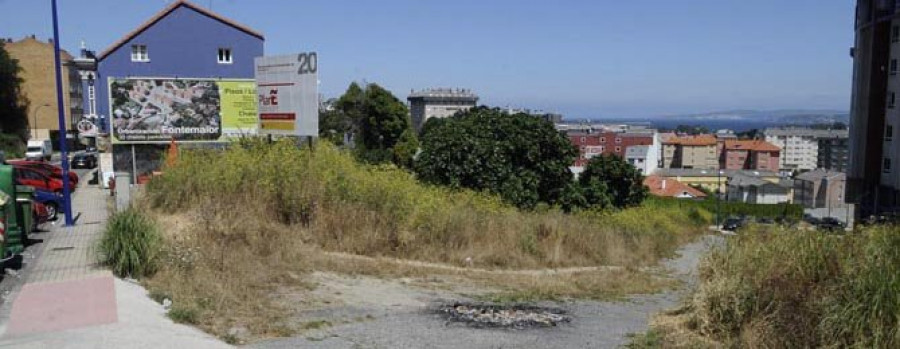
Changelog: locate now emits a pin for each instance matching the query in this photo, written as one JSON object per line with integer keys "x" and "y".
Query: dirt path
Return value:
{"x": 375, "y": 313}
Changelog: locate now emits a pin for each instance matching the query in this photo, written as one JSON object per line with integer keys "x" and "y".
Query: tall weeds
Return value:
{"x": 341, "y": 205}
{"x": 786, "y": 288}
{"x": 130, "y": 244}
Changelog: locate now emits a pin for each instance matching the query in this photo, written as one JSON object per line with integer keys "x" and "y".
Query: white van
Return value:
{"x": 39, "y": 150}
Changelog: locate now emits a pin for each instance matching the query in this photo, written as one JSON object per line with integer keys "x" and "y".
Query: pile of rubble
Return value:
{"x": 512, "y": 316}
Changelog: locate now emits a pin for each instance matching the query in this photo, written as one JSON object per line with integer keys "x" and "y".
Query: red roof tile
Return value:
{"x": 673, "y": 188}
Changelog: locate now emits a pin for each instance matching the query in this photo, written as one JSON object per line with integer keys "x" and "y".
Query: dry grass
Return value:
{"x": 246, "y": 224}
{"x": 776, "y": 288}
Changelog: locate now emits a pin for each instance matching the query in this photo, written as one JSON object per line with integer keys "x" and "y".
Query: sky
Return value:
{"x": 584, "y": 59}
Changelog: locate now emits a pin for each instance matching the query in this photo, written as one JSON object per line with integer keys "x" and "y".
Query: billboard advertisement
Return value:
{"x": 288, "y": 92}
{"x": 156, "y": 110}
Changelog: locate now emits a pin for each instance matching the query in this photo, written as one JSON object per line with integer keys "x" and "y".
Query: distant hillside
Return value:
{"x": 788, "y": 116}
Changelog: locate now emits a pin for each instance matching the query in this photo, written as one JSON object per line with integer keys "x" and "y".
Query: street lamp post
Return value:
{"x": 64, "y": 153}
{"x": 34, "y": 126}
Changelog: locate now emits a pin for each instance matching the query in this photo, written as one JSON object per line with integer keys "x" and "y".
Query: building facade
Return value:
{"x": 183, "y": 42}
{"x": 820, "y": 189}
{"x": 643, "y": 157}
{"x": 690, "y": 152}
{"x": 873, "y": 181}
{"x": 800, "y": 146}
{"x": 755, "y": 190}
{"x": 750, "y": 155}
{"x": 594, "y": 144}
{"x": 834, "y": 153}
{"x": 438, "y": 103}
{"x": 36, "y": 58}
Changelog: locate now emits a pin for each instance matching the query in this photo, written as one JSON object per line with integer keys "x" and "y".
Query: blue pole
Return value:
{"x": 64, "y": 153}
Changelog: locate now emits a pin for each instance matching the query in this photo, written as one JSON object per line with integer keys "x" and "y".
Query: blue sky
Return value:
{"x": 592, "y": 58}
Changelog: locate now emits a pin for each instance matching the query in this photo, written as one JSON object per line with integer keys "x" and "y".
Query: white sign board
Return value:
{"x": 288, "y": 94}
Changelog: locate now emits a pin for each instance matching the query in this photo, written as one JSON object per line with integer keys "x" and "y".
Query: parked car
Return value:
{"x": 765, "y": 220}
{"x": 84, "y": 160}
{"x": 55, "y": 171}
{"x": 53, "y": 201}
{"x": 831, "y": 224}
{"x": 732, "y": 224}
{"x": 37, "y": 179}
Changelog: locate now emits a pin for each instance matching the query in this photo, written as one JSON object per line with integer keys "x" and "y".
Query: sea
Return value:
{"x": 737, "y": 125}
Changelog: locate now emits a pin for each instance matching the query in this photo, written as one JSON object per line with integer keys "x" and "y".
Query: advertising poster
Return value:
{"x": 288, "y": 94}
{"x": 147, "y": 110}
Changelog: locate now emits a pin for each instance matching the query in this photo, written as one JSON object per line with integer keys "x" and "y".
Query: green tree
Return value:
{"x": 13, "y": 104}
{"x": 520, "y": 157}
{"x": 379, "y": 122}
{"x": 608, "y": 180}
{"x": 384, "y": 121}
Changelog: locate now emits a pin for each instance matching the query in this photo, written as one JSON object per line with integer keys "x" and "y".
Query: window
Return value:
{"x": 582, "y": 139}
{"x": 618, "y": 149}
{"x": 893, "y": 66}
{"x": 886, "y": 166}
{"x": 888, "y": 133}
{"x": 618, "y": 140}
{"x": 602, "y": 139}
{"x": 895, "y": 34}
{"x": 224, "y": 56}
{"x": 139, "y": 53}
{"x": 891, "y": 100}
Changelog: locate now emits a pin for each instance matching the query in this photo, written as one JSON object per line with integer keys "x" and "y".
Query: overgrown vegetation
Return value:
{"x": 246, "y": 224}
{"x": 732, "y": 208}
{"x": 130, "y": 244}
{"x": 790, "y": 289}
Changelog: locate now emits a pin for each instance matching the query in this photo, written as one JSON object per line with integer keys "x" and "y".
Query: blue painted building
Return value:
{"x": 183, "y": 41}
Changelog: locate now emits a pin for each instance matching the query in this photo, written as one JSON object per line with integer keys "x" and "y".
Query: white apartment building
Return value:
{"x": 646, "y": 158}
{"x": 800, "y": 145}
{"x": 438, "y": 103}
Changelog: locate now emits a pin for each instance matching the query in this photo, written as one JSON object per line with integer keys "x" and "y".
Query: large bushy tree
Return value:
{"x": 13, "y": 104}
{"x": 379, "y": 122}
{"x": 522, "y": 158}
{"x": 608, "y": 180}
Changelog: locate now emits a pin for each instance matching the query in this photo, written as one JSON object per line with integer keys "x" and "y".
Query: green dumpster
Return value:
{"x": 16, "y": 222}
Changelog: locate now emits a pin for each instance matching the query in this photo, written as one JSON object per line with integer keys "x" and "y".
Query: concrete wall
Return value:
{"x": 183, "y": 44}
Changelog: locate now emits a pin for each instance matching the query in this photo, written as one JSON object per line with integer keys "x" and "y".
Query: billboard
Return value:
{"x": 287, "y": 86}
{"x": 156, "y": 110}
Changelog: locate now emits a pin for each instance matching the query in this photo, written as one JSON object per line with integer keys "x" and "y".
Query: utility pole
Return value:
{"x": 64, "y": 153}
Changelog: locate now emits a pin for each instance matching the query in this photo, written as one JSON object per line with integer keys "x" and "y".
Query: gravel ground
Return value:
{"x": 410, "y": 321}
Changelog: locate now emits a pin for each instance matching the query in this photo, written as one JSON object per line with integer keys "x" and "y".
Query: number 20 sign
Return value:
{"x": 287, "y": 86}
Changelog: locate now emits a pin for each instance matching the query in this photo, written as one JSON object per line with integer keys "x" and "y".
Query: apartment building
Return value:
{"x": 750, "y": 155}
{"x": 873, "y": 180}
{"x": 593, "y": 144}
{"x": 801, "y": 145}
{"x": 643, "y": 157}
{"x": 438, "y": 103}
{"x": 36, "y": 58}
{"x": 834, "y": 153}
{"x": 690, "y": 152}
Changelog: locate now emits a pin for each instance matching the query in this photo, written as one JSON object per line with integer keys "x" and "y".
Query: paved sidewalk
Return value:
{"x": 69, "y": 301}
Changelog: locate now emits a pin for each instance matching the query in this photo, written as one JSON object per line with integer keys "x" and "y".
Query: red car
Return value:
{"x": 55, "y": 170}
{"x": 37, "y": 179}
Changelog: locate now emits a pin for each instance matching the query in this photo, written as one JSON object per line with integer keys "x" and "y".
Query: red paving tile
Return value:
{"x": 58, "y": 306}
